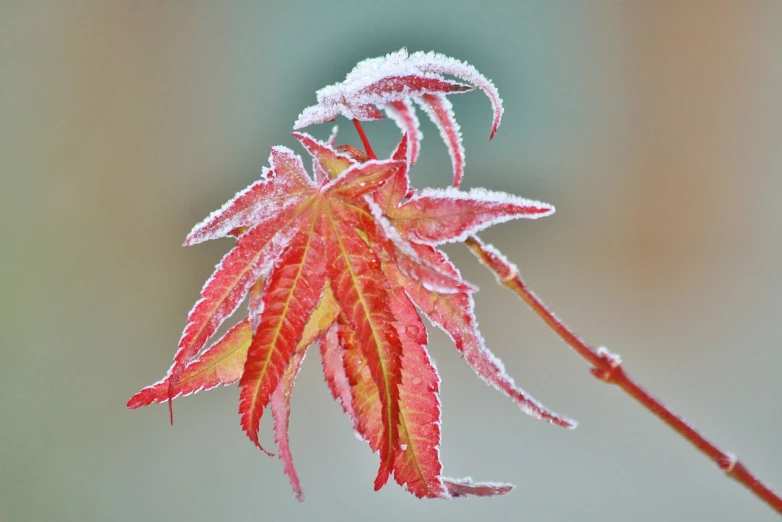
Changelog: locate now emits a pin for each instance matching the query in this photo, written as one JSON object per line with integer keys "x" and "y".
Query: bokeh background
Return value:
{"x": 653, "y": 126}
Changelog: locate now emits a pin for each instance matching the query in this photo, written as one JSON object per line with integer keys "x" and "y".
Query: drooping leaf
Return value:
{"x": 454, "y": 315}
{"x": 440, "y": 111}
{"x": 403, "y": 113}
{"x": 252, "y": 257}
{"x": 393, "y": 78}
{"x": 220, "y": 364}
{"x": 440, "y": 64}
{"x": 358, "y": 286}
{"x": 281, "y": 409}
{"x": 417, "y": 465}
{"x": 320, "y": 321}
{"x": 333, "y": 360}
{"x": 364, "y": 398}
{"x": 374, "y": 82}
{"x": 290, "y": 296}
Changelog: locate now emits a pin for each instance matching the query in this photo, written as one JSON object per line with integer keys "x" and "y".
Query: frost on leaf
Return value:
{"x": 390, "y": 82}
{"x": 285, "y": 185}
{"x": 454, "y": 315}
{"x": 290, "y": 296}
{"x": 222, "y": 363}
{"x": 403, "y": 113}
{"x": 347, "y": 259}
{"x": 437, "y": 216}
{"x": 440, "y": 111}
{"x": 320, "y": 321}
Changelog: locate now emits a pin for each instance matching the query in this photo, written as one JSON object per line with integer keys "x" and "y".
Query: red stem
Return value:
{"x": 364, "y": 139}
{"x": 608, "y": 368}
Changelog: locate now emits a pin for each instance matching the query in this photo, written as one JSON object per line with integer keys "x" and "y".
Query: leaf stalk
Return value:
{"x": 608, "y": 368}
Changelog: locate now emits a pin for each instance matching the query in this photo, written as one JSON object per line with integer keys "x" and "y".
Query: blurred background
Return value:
{"x": 653, "y": 126}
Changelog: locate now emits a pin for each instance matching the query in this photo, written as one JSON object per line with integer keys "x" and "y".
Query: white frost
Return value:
{"x": 449, "y": 131}
{"x": 492, "y": 214}
{"x": 407, "y": 121}
{"x": 613, "y": 358}
{"x": 350, "y": 96}
{"x": 486, "y": 365}
{"x": 510, "y": 269}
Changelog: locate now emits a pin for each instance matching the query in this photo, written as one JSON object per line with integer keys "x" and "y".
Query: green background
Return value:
{"x": 654, "y": 127}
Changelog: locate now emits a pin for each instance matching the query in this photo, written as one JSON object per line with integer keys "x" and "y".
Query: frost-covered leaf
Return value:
{"x": 390, "y": 82}
{"x": 220, "y": 364}
{"x": 252, "y": 257}
{"x": 360, "y": 289}
{"x": 403, "y": 113}
{"x": 320, "y": 321}
{"x": 281, "y": 410}
{"x": 437, "y": 216}
{"x": 440, "y": 64}
{"x": 363, "y": 395}
{"x": 290, "y": 295}
{"x": 348, "y": 259}
{"x": 417, "y": 465}
{"x": 454, "y": 315}
{"x": 286, "y": 184}
{"x": 440, "y": 111}
{"x": 333, "y": 360}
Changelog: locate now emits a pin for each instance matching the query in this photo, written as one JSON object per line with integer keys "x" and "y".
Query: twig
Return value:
{"x": 608, "y": 368}
{"x": 364, "y": 139}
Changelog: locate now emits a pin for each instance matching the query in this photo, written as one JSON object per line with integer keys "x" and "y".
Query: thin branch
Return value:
{"x": 608, "y": 368}
{"x": 364, "y": 139}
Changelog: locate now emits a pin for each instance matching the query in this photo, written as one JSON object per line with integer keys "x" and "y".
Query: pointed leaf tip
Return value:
{"x": 321, "y": 319}
{"x": 467, "y": 488}
{"x": 440, "y": 64}
{"x": 358, "y": 284}
{"x": 440, "y": 111}
{"x": 220, "y": 364}
{"x": 403, "y": 114}
{"x": 437, "y": 216}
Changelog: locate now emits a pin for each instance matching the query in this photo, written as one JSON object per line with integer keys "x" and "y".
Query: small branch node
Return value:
{"x": 510, "y": 275}
{"x": 607, "y": 367}
{"x": 728, "y": 462}
{"x": 613, "y": 359}
{"x": 610, "y": 365}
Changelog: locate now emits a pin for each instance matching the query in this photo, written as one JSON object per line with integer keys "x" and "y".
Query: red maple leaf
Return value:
{"x": 348, "y": 259}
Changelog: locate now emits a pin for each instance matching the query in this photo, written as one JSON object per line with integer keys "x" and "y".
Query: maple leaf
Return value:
{"x": 348, "y": 258}
{"x": 390, "y": 82}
